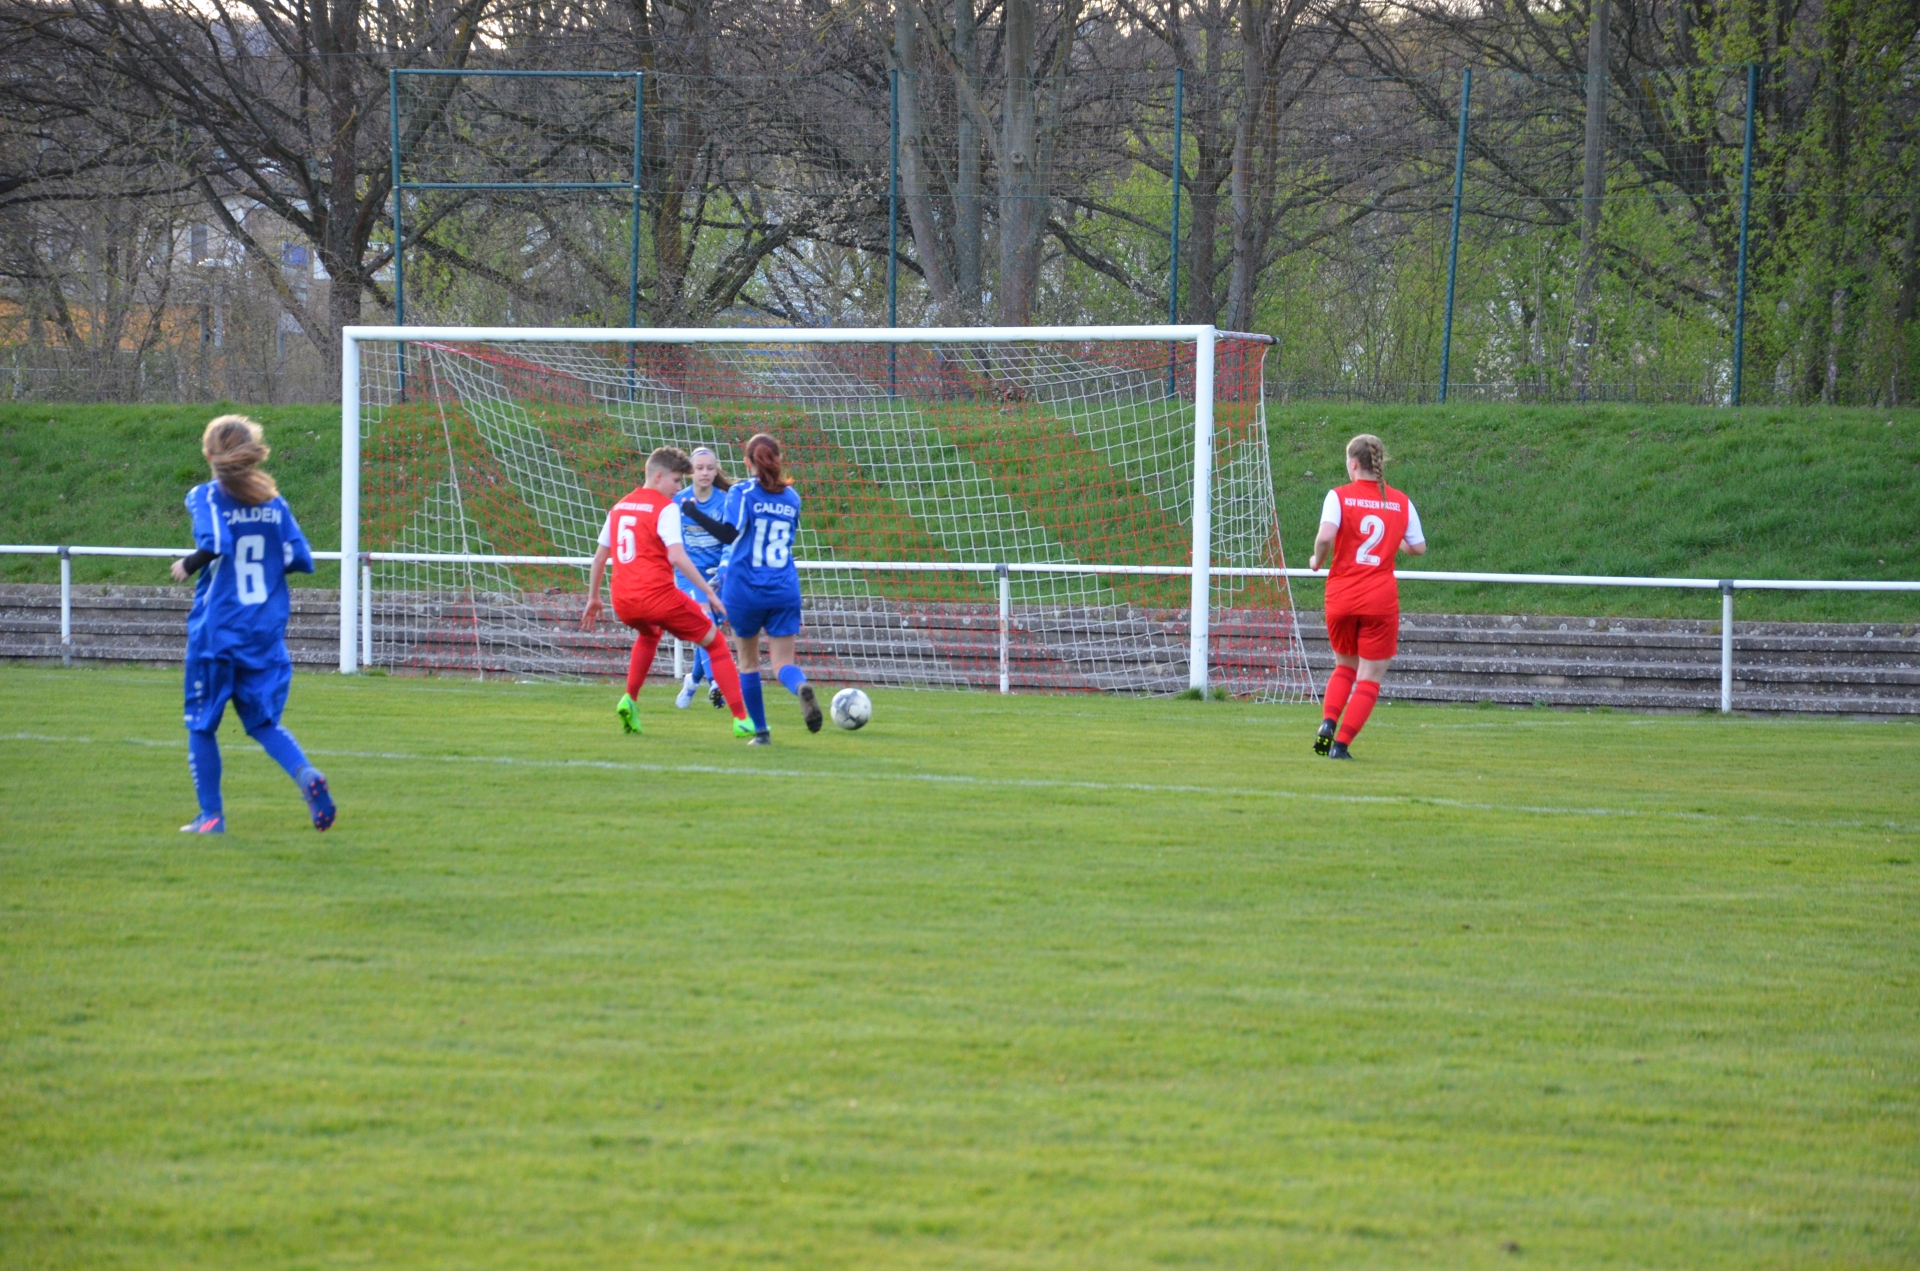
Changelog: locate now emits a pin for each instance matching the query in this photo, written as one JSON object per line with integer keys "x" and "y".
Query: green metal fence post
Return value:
{"x": 1746, "y": 207}
{"x": 1453, "y": 246}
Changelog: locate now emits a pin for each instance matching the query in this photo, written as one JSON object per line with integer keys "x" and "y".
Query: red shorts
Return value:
{"x": 1373, "y": 636}
{"x": 673, "y": 612}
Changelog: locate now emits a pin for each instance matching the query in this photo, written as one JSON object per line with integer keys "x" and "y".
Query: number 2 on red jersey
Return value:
{"x": 1375, "y": 529}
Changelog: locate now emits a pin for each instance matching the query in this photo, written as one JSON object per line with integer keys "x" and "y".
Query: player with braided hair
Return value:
{"x": 1363, "y": 526}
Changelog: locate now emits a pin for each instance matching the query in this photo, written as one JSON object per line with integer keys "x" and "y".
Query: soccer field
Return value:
{"x": 1027, "y": 982}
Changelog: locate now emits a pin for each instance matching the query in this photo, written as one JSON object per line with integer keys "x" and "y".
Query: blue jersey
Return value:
{"x": 759, "y": 561}
{"x": 703, "y": 549}
{"x": 240, "y": 603}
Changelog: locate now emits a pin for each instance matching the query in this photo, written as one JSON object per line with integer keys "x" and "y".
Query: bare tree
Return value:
{"x": 275, "y": 101}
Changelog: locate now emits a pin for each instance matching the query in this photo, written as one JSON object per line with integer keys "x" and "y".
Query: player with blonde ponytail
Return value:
{"x": 1363, "y": 526}
{"x": 247, "y": 543}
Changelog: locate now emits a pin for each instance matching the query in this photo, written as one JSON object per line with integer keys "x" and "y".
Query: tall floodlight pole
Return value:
{"x": 893, "y": 225}
{"x": 1453, "y": 245}
{"x": 1746, "y": 208}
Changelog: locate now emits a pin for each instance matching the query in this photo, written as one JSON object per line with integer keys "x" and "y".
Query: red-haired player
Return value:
{"x": 642, "y": 538}
{"x": 1364, "y": 524}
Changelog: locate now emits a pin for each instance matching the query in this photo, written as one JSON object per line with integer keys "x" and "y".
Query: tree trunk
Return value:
{"x": 913, "y": 173}
{"x": 1247, "y": 244}
{"x": 1585, "y": 324}
{"x": 1904, "y": 308}
{"x": 1018, "y": 179}
{"x": 1212, "y": 167}
{"x": 968, "y": 241}
{"x": 675, "y": 138}
{"x": 343, "y": 238}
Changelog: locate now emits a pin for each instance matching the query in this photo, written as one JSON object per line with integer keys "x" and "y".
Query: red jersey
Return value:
{"x": 1360, "y": 572}
{"x": 638, "y": 529}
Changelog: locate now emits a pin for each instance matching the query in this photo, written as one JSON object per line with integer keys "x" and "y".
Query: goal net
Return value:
{"x": 987, "y": 509}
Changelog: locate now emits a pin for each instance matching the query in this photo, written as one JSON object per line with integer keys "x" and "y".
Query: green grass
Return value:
{"x": 1028, "y": 982}
{"x": 1678, "y": 490}
{"x": 118, "y": 476}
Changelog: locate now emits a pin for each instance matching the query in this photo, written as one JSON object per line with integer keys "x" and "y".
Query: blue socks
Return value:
{"x": 203, "y": 761}
{"x": 702, "y": 665}
{"x": 756, "y": 705}
{"x": 792, "y": 677}
{"x": 279, "y": 744}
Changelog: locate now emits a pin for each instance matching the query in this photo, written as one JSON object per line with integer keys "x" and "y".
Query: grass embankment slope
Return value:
{"x": 118, "y": 476}
{"x": 1654, "y": 491}
{"x": 1511, "y": 990}
{"x": 1670, "y": 490}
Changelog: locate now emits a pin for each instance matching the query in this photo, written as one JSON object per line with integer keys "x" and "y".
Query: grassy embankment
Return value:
{"x": 1673, "y": 490}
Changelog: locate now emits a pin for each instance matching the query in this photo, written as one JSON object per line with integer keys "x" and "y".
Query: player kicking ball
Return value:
{"x": 760, "y": 581}
{"x": 246, "y": 543}
{"x": 643, "y": 538}
{"x": 1363, "y": 525}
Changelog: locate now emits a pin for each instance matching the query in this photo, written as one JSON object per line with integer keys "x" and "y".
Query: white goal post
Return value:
{"x": 1054, "y": 463}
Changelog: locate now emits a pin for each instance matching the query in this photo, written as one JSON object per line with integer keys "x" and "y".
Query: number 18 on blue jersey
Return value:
{"x": 759, "y": 561}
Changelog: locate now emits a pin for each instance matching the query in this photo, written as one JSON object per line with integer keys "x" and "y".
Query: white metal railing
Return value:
{"x": 1003, "y": 571}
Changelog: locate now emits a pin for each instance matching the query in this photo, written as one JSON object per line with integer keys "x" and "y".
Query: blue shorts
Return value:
{"x": 750, "y": 616}
{"x": 258, "y": 687}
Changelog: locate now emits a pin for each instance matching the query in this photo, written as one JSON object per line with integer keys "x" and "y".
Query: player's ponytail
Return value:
{"x": 235, "y": 448}
{"x": 1370, "y": 453}
{"x": 763, "y": 457}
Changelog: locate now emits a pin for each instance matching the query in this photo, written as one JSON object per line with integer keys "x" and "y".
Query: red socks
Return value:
{"x": 727, "y": 676}
{"x": 640, "y": 663}
{"x": 1359, "y": 706}
{"x": 1339, "y": 684}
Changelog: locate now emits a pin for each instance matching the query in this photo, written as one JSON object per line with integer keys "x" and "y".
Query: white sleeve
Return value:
{"x": 668, "y": 524}
{"x": 1414, "y": 534}
{"x": 1330, "y": 509}
{"x": 606, "y": 532}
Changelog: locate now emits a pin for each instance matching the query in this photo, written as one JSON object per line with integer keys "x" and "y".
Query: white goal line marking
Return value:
{"x": 1024, "y": 783}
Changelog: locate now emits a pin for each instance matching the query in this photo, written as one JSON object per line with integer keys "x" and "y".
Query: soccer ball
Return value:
{"x": 851, "y": 708}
